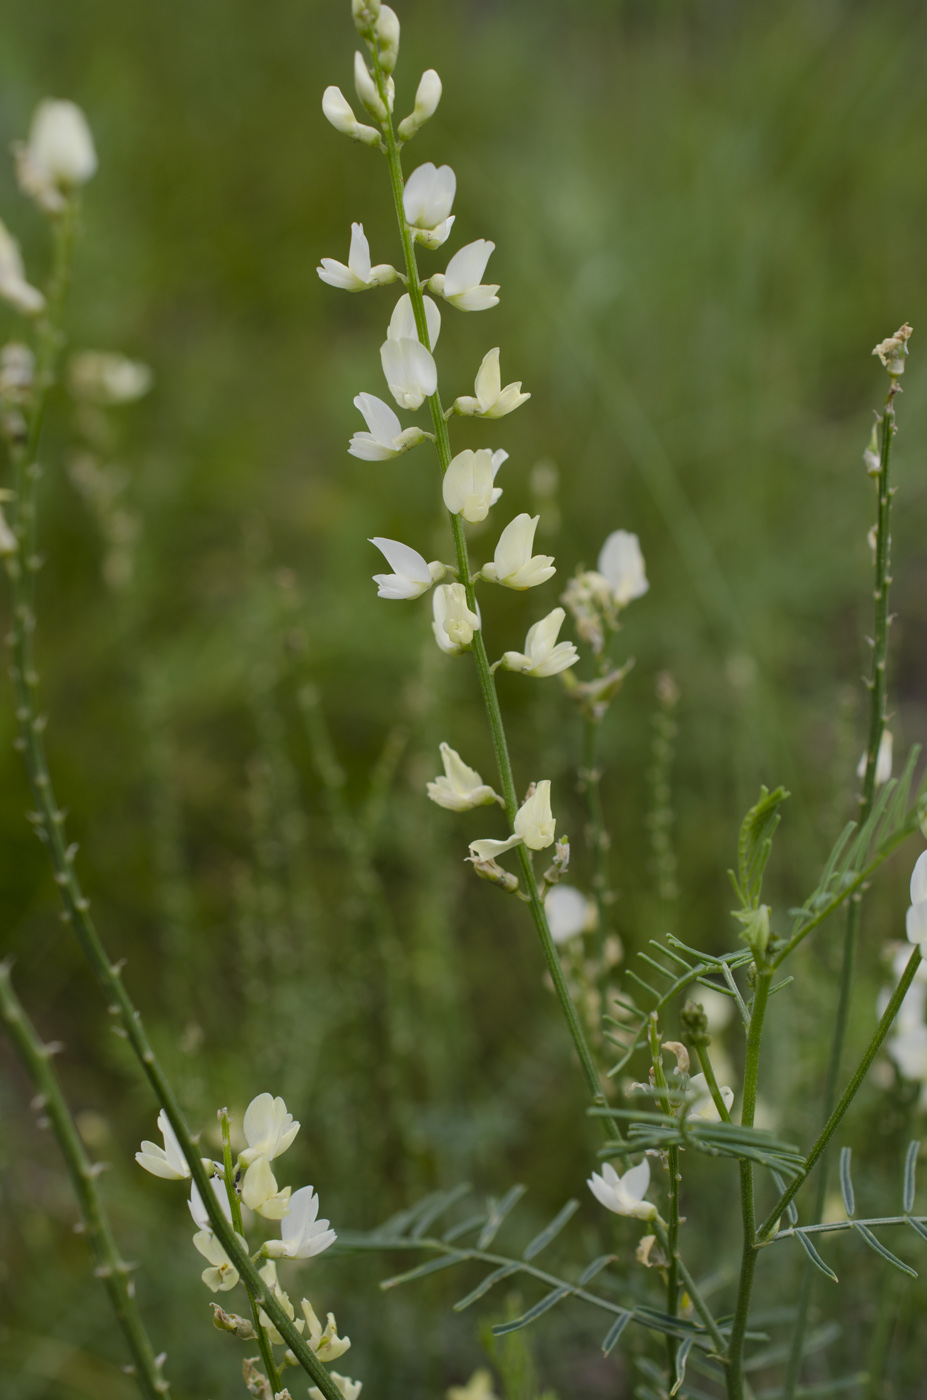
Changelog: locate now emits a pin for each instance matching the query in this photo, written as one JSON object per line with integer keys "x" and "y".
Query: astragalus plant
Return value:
{"x": 688, "y": 1280}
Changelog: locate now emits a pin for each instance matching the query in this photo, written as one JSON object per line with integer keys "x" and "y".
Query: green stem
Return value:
{"x": 877, "y": 717}
{"x": 672, "y": 1233}
{"x": 849, "y": 1093}
{"x": 49, "y": 822}
{"x": 112, "y": 1270}
{"x": 266, "y": 1350}
{"x": 698, "y": 1302}
{"x": 598, "y": 838}
{"x": 486, "y": 679}
{"x": 708, "y": 1070}
{"x": 735, "y": 1379}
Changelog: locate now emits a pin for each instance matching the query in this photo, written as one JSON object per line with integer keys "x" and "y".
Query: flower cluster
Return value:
{"x": 249, "y": 1184}
{"x": 424, "y": 206}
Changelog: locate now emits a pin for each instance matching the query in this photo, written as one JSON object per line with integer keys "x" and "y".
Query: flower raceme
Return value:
{"x": 461, "y": 788}
{"x": 412, "y": 577}
{"x": 386, "y": 437}
{"x": 491, "y": 401}
{"x": 513, "y": 564}
{"x": 543, "y": 654}
{"x": 460, "y": 284}
{"x": 624, "y": 1194}
{"x": 454, "y": 623}
{"x": 358, "y": 275}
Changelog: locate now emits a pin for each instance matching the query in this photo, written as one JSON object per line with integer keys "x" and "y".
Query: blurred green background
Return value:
{"x": 706, "y": 213}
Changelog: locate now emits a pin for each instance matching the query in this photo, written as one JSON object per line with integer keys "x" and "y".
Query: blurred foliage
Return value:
{"x": 705, "y": 216}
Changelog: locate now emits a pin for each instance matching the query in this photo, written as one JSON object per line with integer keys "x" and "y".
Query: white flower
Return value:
{"x": 358, "y": 275}
{"x": 387, "y": 35}
{"x": 367, "y": 89}
{"x": 892, "y": 352}
{"x": 916, "y": 920}
{"x": 223, "y": 1275}
{"x": 402, "y": 322}
{"x": 461, "y": 788}
{"x": 412, "y": 577}
{"x": 488, "y": 849}
{"x": 454, "y": 624}
{"x": 701, "y": 1104}
{"x": 908, "y": 1049}
{"x": 624, "y": 1194}
{"x": 386, "y": 438}
{"x": 58, "y": 156}
{"x": 427, "y": 201}
{"x": 460, "y": 284}
{"x": 468, "y": 486}
{"x": 492, "y": 401}
{"x": 349, "y": 1389}
{"x": 198, "y": 1209}
{"x": 167, "y": 1161}
{"x": 301, "y": 1234}
{"x": 410, "y": 371}
{"x": 13, "y": 285}
{"x": 622, "y": 564}
{"x": 268, "y": 1127}
{"x": 478, "y": 1387}
{"x": 534, "y": 821}
{"x": 427, "y": 97}
{"x": 337, "y": 109}
{"x": 260, "y": 1193}
{"x": 543, "y": 654}
{"x": 568, "y": 912}
{"x": 883, "y": 767}
{"x": 104, "y": 378}
{"x": 327, "y": 1345}
{"x": 513, "y": 563}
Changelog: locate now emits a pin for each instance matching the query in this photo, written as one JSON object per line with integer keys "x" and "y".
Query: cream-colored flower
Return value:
{"x": 412, "y": 577}
{"x": 427, "y": 201}
{"x": 386, "y": 437}
{"x": 534, "y": 821}
{"x": 454, "y": 624}
{"x": 167, "y": 1161}
{"x": 491, "y": 401}
{"x": 302, "y": 1235}
{"x": 349, "y": 1389}
{"x": 568, "y": 912}
{"x": 325, "y": 1342}
{"x": 461, "y": 788}
{"x": 108, "y": 379}
{"x": 478, "y": 1387}
{"x": 513, "y": 563}
{"x": 358, "y": 275}
{"x": 624, "y": 1194}
{"x": 268, "y": 1127}
{"x": 222, "y": 1275}
{"x": 622, "y": 564}
{"x": 468, "y": 486}
{"x": 337, "y": 110}
{"x": 58, "y": 156}
{"x": 13, "y": 285}
{"x": 460, "y": 284}
{"x": 701, "y": 1104}
{"x": 427, "y": 97}
{"x": 367, "y": 91}
{"x": 402, "y": 322}
{"x": 410, "y": 371}
{"x": 543, "y": 654}
{"x": 260, "y": 1192}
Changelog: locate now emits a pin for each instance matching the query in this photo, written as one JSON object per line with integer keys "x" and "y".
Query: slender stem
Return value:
{"x": 708, "y": 1070}
{"x": 672, "y": 1233}
{"x": 49, "y": 822}
{"x": 698, "y": 1302}
{"x": 876, "y": 687}
{"x": 267, "y": 1355}
{"x": 735, "y": 1379}
{"x": 486, "y": 679}
{"x": 112, "y": 1270}
{"x": 598, "y": 838}
{"x": 849, "y": 1093}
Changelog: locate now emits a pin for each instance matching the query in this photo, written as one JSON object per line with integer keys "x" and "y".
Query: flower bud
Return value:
{"x": 892, "y": 351}
{"x": 366, "y": 89}
{"x": 58, "y": 156}
{"x": 755, "y": 929}
{"x": 337, "y": 110}
{"x": 694, "y": 1024}
{"x": 365, "y": 13}
{"x": 387, "y": 34}
{"x": 427, "y": 97}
